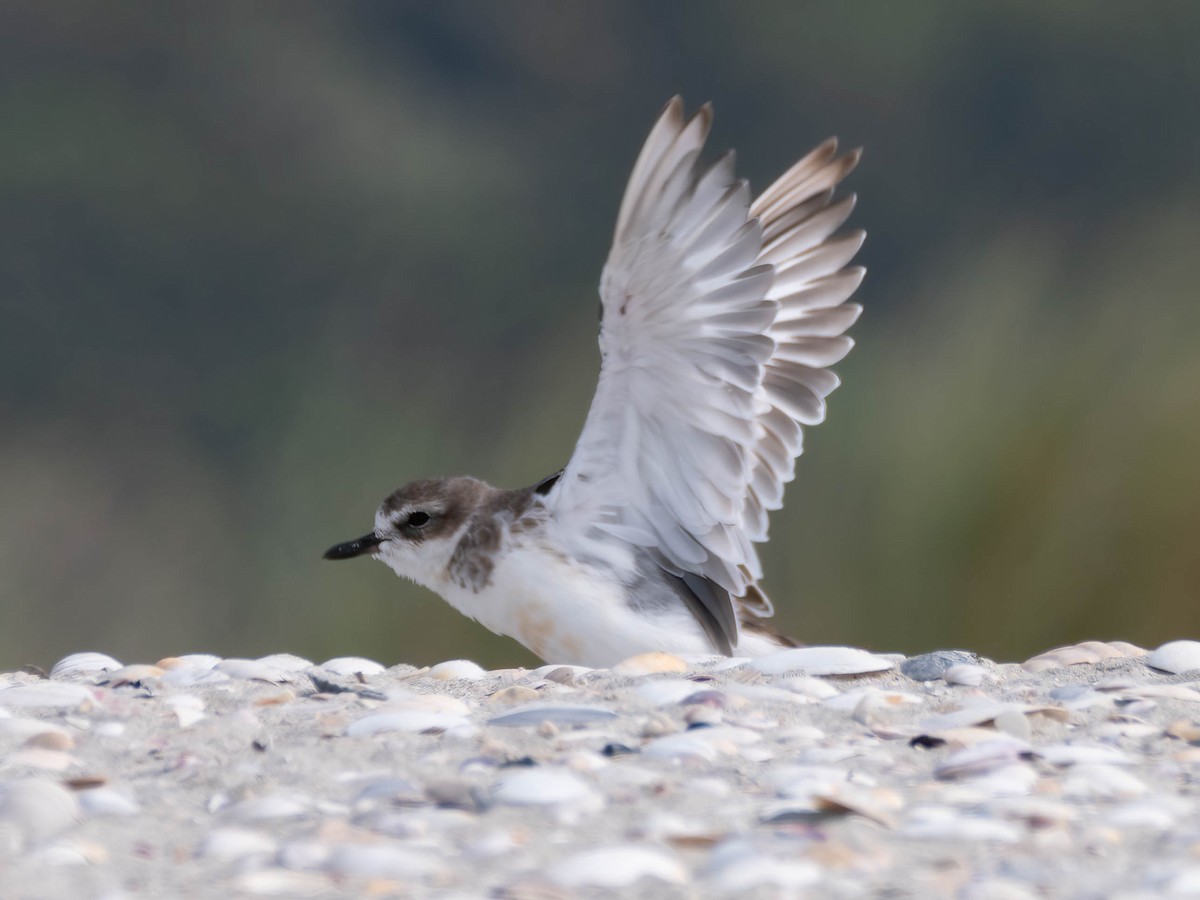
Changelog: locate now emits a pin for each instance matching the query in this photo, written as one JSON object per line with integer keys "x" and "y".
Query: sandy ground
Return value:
{"x": 1075, "y": 775}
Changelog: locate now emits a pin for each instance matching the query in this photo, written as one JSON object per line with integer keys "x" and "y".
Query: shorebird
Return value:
{"x": 720, "y": 317}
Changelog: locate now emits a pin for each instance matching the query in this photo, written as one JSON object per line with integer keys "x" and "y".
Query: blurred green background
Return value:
{"x": 262, "y": 263}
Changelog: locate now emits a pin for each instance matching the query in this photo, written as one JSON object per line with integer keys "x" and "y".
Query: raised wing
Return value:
{"x": 719, "y": 318}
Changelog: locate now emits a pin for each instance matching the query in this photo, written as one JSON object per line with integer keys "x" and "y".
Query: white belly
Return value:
{"x": 572, "y": 614}
{"x": 576, "y": 615}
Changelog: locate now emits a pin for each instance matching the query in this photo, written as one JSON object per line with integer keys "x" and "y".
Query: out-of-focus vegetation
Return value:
{"x": 261, "y": 263}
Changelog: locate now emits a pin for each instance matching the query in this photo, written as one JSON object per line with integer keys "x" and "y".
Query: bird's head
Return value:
{"x": 417, "y": 528}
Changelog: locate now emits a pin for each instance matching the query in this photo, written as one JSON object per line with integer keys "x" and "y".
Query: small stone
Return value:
{"x": 932, "y": 666}
{"x": 1176, "y": 657}
{"x": 619, "y": 866}
{"x": 1014, "y": 724}
{"x": 649, "y": 664}
{"x": 1181, "y": 729}
{"x": 821, "y": 661}
{"x": 84, "y": 664}
{"x": 514, "y": 693}
{"x": 456, "y": 669}
{"x": 51, "y": 740}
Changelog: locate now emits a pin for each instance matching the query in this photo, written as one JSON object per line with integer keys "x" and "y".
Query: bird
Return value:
{"x": 721, "y": 314}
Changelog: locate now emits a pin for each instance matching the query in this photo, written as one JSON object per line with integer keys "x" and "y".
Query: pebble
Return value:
{"x": 616, "y": 867}
{"x": 932, "y": 666}
{"x": 1176, "y": 657}
{"x": 84, "y": 664}
{"x": 821, "y": 661}
{"x": 665, "y": 775}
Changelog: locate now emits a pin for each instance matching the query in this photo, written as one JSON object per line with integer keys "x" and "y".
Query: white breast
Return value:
{"x": 571, "y": 613}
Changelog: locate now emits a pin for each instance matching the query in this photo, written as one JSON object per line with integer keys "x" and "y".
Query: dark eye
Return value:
{"x": 416, "y": 519}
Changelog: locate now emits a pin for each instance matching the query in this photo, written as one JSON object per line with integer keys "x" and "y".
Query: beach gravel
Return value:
{"x": 825, "y": 771}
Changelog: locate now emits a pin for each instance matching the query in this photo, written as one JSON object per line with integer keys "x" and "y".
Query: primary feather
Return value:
{"x": 720, "y": 318}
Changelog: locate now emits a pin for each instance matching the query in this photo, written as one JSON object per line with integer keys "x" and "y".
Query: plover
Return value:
{"x": 720, "y": 316}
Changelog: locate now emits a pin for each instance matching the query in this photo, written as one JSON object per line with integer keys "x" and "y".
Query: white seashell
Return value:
{"x": 42, "y": 758}
{"x": 231, "y": 843}
{"x": 754, "y": 871}
{"x": 944, "y": 824}
{"x": 286, "y": 662}
{"x": 304, "y": 854}
{"x": 388, "y": 860}
{"x": 544, "y": 787}
{"x": 38, "y": 809}
{"x": 190, "y": 669}
{"x": 679, "y": 746}
{"x": 821, "y": 661}
{"x": 619, "y": 866}
{"x": 808, "y": 686}
{"x": 1176, "y": 657}
{"x": 649, "y": 664}
{"x": 406, "y": 721}
{"x": 457, "y": 669}
{"x": 111, "y": 728}
{"x": 107, "y": 801}
{"x": 1082, "y": 754}
{"x": 252, "y": 670}
{"x": 558, "y": 713}
{"x": 282, "y": 883}
{"x": 973, "y": 711}
{"x": 982, "y": 758}
{"x": 87, "y": 663}
{"x": 850, "y": 701}
{"x": 188, "y": 708}
{"x": 666, "y": 691}
{"x": 965, "y": 674}
{"x": 1101, "y": 782}
{"x": 22, "y": 729}
{"x": 399, "y": 699}
{"x": 801, "y": 782}
{"x": 272, "y": 806}
{"x": 352, "y": 665}
{"x": 1150, "y": 815}
{"x": 45, "y": 694}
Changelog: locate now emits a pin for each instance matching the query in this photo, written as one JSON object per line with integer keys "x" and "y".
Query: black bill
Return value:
{"x": 365, "y": 544}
